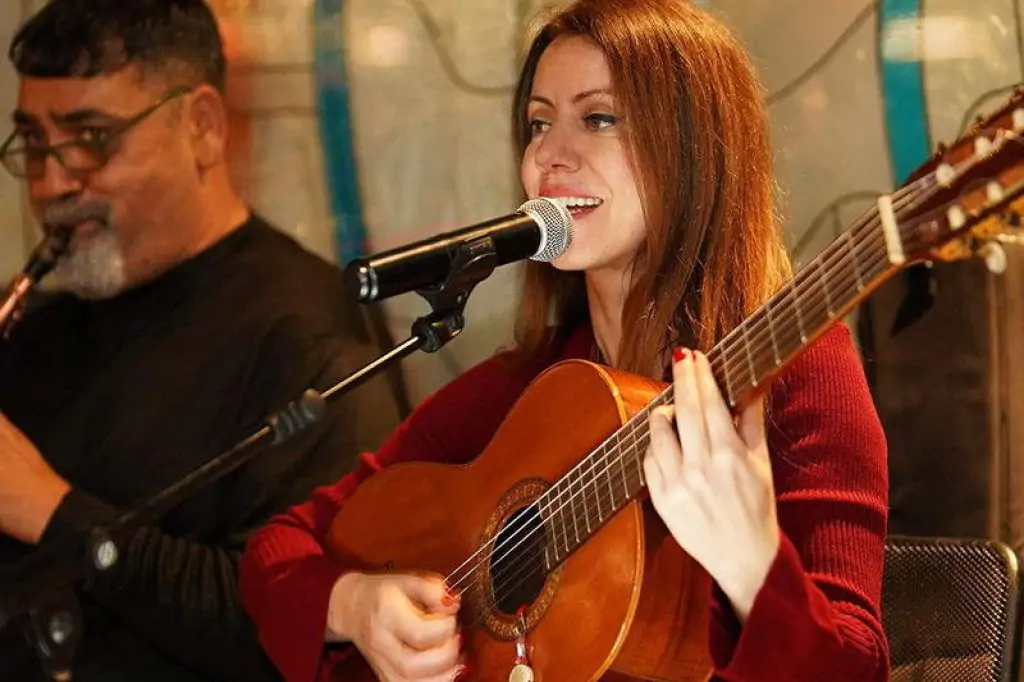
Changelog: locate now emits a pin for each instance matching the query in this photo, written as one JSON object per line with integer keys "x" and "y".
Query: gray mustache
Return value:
{"x": 65, "y": 213}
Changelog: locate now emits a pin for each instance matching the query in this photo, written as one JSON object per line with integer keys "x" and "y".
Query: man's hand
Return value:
{"x": 30, "y": 490}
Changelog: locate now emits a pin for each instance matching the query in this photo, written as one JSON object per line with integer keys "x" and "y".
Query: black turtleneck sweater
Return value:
{"x": 124, "y": 397}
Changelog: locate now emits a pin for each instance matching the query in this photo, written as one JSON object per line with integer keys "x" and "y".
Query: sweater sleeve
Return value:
{"x": 818, "y": 614}
{"x": 286, "y": 579}
{"x": 286, "y": 574}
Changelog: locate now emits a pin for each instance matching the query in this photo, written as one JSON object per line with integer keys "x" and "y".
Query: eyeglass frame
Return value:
{"x": 100, "y": 148}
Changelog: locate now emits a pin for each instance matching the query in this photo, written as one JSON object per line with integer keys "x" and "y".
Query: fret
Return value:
{"x": 549, "y": 521}
{"x": 795, "y": 295}
{"x": 572, "y": 504}
{"x": 771, "y": 333}
{"x": 823, "y": 277}
{"x": 851, "y": 248}
{"x": 750, "y": 357}
{"x": 812, "y": 297}
{"x": 548, "y": 531}
{"x": 625, "y": 452}
{"x": 595, "y": 471}
{"x": 608, "y": 473}
{"x": 635, "y": 452}
{"x": 728, "y": 378}
{"x": 562, "y": 504}
{"x": 552, "y": 525}
{"x": 636, "y": 455}
{"x": 620, "y": 456}
{"x": 583, "y": 478}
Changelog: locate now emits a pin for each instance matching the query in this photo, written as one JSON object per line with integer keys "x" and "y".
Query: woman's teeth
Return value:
{"x": 578, "y": 202}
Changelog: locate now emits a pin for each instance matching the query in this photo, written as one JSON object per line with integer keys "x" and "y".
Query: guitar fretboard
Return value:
{"x": 823, "y": 292}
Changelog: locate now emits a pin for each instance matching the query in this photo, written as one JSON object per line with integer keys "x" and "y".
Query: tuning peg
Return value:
{"x": 995, "y": 257}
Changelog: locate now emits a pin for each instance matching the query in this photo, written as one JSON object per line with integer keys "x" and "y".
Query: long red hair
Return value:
{"x": 697, "y": 137}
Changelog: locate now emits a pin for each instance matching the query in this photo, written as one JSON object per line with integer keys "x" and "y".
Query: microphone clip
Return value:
{"x": 472, "y": 262}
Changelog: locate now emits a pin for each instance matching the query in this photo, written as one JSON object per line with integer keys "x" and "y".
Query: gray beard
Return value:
{"x": 93, "y": 269}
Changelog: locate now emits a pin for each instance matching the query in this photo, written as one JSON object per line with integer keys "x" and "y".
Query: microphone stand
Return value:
{"x": 44, "y": 580}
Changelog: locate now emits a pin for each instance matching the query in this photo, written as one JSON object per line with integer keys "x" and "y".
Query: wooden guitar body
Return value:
{"x": 628, "y": 601}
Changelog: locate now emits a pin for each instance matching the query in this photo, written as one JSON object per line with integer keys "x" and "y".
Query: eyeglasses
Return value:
{"x": 78, "y": 155}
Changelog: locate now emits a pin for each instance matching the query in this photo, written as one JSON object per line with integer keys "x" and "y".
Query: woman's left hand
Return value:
{"x": 711, "y": 482}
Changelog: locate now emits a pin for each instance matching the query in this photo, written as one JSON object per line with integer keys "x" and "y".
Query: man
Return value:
{"x": 186, "y": 320}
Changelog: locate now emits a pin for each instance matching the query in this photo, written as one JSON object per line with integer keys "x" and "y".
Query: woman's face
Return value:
{"x": 577, "y": 153}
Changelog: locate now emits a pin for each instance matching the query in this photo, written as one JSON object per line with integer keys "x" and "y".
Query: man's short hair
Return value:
{"x": 86, "y": 38}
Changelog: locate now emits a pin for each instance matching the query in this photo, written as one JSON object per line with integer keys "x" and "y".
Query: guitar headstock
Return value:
{"x": 971, "y": 191}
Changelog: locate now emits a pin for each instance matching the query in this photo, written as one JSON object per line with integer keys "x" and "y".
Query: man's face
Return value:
{"x": 123, "y": 209}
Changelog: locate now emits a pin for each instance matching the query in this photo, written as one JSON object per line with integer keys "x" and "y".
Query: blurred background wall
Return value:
{"x": 363, "y": 124}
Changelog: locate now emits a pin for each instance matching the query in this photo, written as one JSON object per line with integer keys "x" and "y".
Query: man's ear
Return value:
{"x": 208, "y": 126}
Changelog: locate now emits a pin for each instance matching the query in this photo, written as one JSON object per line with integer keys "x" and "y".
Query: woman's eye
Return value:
{"x": 538, "y": 126}
{"x": 600, "y": 121}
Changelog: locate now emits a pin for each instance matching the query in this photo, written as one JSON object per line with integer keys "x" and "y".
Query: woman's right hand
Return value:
{"x": 405, "y": 626}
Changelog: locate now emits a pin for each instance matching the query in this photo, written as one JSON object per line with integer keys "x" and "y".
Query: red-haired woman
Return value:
{"x": 646, "y": 118}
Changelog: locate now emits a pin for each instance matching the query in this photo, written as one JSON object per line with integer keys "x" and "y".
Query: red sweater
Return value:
{"x": 817, "y": 617}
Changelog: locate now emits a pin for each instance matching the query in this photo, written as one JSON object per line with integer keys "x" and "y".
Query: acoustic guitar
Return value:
{"x": 566, "y": 572}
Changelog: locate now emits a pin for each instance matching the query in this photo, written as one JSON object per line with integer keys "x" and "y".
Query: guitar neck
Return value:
{"x": 821, "y": 294}
{"x": 824, "y": 291}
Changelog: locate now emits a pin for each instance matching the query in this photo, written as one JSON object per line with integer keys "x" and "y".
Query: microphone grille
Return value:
{"x": 555, "y": 227}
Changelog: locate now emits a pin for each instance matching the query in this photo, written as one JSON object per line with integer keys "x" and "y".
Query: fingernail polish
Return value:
{"x": 451, "y": 597}
{"x": 461, "y": 672}
{"x": 679, "y": 354}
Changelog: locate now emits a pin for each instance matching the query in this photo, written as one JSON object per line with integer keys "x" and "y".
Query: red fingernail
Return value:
{"x": 451, "y": 597}
{"x": 461, "y": 672}
{"x": 679, "y": 354}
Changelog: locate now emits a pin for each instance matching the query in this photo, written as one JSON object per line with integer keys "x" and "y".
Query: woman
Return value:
{"x": 646, "y": 118}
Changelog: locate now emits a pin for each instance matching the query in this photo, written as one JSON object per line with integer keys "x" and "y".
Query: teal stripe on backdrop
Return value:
{"x": 906, "y": 117}
{"x": 335, "y": 120}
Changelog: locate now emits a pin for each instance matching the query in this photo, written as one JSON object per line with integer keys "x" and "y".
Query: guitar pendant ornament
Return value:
{"x": 521, "y": 670}
{"x": 521, "y": 673}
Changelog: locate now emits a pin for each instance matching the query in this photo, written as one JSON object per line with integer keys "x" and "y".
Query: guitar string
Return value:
{"x": 501, "y": 567}
{"x": 508, "y": 574}
{"x": 926, "y": 182}
{"x": 645, "y": 435}
{"x": 823, "y": 268}
{"x": 641, "y": 442}
{"x": 902, "y": 200}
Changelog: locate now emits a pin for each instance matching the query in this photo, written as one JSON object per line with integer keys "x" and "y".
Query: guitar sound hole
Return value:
{"x": 517, "y": 561}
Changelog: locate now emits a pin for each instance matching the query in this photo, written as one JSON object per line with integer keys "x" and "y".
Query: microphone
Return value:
{"x": 42, "y": 260}
{"x": 541, "y": 230}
